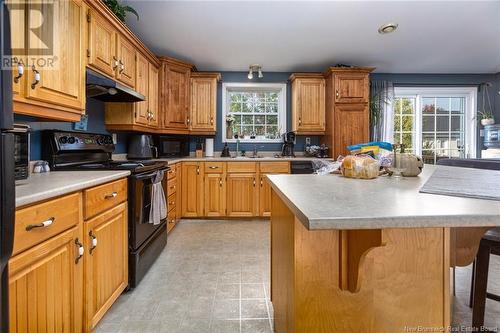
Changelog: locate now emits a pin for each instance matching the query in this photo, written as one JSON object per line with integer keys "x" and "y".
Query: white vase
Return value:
{"x": 487, "y": 121}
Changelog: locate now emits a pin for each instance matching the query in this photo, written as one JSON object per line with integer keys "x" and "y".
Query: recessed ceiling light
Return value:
{"x": 387, "y": 28}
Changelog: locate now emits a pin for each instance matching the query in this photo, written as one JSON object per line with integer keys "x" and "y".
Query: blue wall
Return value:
{"x": 95, "y": 111}
{"x": 269, "y": 77}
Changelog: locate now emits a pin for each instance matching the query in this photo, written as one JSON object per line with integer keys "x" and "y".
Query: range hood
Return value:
{"x": 107, "y": 90}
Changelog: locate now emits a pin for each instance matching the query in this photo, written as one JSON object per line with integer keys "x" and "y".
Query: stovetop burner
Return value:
{"x": 134, "y": 166}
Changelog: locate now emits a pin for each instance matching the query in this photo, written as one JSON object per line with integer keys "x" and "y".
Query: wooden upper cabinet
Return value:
{"x": 351, "y": 88}
{"x": 126, "y": 55}
{"x": 46, "y": 284}
{"x": 55, "y": 87}
{"x": 175, "y": 95}
{"x": 153, "y": 98}
{"x": 203, "y": 102}
{"x": 101, "y": 44}
{"x": 308, "y": 103}
{"x": 142, "y": 87}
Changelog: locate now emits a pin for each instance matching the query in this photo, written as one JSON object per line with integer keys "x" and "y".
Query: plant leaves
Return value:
{"x": 131, "y": 10}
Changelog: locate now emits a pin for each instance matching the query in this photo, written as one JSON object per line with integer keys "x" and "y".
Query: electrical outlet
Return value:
{"x": 308, "y": 141}
{"x": 115, "y": 139}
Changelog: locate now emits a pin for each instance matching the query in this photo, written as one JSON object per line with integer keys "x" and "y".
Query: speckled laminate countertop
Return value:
{"x": 44, "y": 186}
{"x": 336, "y": 202}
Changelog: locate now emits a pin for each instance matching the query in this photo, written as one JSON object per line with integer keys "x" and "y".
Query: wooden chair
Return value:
{"x": 490, "y": 244}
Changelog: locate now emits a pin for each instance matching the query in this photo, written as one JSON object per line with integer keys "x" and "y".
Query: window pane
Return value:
{"x": 428, "y": 156}
{"x": 246, "y": 130}
{"x": 235, "y": 107}
{"x": 397, "y": 137}
{"x": 272, "y": 120}
{"x": 272, "y": 97}
{"x": 442, "y": 141}
{"x": 397, "y": 123}
{"x": 428, "y": 105}
{"x": 407, "y": 123}
{"x": 247, "y": 120}
{"x": 235, "y": 97}
{"x": 260, "y": 120}
{"x": 260, "y": 130}
{"x": 428, "y": 123}
{"x": 272, "y": 132}
{"x": 456, "y": 141}
{"x": 408, "y": 140}
{"x": 458, "y": 105}
{"x": 427, "y": 141}
{"x": 442, "y": 124}
{"x": 442, "y": 105}
{"x": 407, "y": 106}
{"x": 456, "y": 123}
{"x": 397, "y": 106}
{"x": 272, "y": 108}
{"x": 247, "y": 107}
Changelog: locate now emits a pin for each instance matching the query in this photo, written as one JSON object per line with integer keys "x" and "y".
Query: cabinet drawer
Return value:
{"x": 170, "y": 202}
{"x": 172, "y": 172}
{"x": 274, "y": 167}
{"x": 171, "y": 219}
{"x": 101, "y": 198}
{"x": 171, "y": 186}
{"x": 241, "y": 167}
{"x": 38, "y": 223}
{"x": 214, "y": 167}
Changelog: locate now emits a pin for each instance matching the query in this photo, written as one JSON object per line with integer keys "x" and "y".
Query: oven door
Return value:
{"x": 140, "y": 205}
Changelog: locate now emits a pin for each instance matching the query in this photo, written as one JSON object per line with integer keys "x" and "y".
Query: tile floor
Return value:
{"x": 214, "y": 276}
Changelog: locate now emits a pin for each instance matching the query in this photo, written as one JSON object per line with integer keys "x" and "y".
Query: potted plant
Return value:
{"x": 120, "y": 10}
{"x": 229, "y": 125}
{"x": 487, "y": 118}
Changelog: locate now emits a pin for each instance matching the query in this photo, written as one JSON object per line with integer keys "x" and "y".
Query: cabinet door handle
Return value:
{"x": 188, "y": 120}
{"x": 122, "y": 66}
{"x": 337, "y": 94}
{"x": 37, "y": 77}
{"x": 300, "y": 121}
{"x": 81, "y": 250}
{"x": 261, "y": 182}
{"x": 198, "y": 171}
{"x": 43, "y": 224}
{"x": 254, "y": 183}
{"x": 111, "y": 196}
{"x": 220, "y": 182}
{"x": 93, "y": 241}
{"x": 211, "y": 120}
{"x": 20, "y": 73}
{"x": 115, "y": 64}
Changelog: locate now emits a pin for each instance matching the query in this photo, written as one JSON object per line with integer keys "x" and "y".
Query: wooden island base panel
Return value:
{"x": 376, "y": 256}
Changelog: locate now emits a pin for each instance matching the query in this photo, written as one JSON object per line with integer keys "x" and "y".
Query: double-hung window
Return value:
{"x": 436, "y": 122}
{"x": 253, "y": 112}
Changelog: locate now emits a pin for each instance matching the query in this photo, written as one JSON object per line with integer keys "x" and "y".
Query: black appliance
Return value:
{"x": 87, "y": 151}
{"x": 7, "y": 166}
{"x": 172, "y": 146}
{"x": 492, "y": 136}
{"x": 288, "y": 144}
{"x": 107, "y": 90}
{"x": 301, "y": 167}
{"x": 140, "y": 146}
{"x": 21, "y": 151}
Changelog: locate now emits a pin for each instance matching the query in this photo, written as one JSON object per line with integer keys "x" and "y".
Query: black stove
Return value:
{"x": 66, "y": 150}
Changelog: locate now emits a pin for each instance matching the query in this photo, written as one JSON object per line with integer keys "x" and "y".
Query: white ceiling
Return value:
{"x": 433, "y": 36}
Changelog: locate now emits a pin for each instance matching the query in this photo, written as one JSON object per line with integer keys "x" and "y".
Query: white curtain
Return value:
{"x": 381, "y": 112}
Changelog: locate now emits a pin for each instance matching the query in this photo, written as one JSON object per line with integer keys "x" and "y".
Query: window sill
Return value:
{"x": 253, "y": 141}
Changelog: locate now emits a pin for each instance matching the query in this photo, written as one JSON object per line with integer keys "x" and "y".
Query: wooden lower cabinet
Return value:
{"x": 192, "y": 189}
{"x": 46, "y": 286}
{"x": 106, "y": 265}
{"x": 215, "y": 195}
{"x": 242, "y": 195}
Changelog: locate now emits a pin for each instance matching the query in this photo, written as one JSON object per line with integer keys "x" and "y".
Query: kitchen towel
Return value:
{"x": 209, "y": 147}
{"x": 464, "y": 182}
{"x": 158, "y": 209}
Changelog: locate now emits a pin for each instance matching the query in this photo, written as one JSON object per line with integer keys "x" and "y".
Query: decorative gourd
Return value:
{"x": 411, "y": 164}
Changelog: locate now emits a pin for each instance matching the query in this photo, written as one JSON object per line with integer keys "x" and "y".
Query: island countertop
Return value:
{"x": 336, "y": 202}
{"x": 44, "y": 186}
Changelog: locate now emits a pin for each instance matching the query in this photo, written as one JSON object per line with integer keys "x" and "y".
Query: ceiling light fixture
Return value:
{"x": 255, "y": 68}
{"x": 387, "y": 28}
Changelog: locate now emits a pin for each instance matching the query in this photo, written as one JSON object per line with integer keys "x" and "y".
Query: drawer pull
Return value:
{"x": 44, "y": 224}
{"x": 111, "y": 196}
{"x": 81, "y": 250}
{"x": 214, "y": 167}
{"x": 93, "y": 241}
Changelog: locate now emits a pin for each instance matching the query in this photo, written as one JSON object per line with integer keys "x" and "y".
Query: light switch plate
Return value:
{"x": 308, "y": 140}
{"x": 114, "y": 137}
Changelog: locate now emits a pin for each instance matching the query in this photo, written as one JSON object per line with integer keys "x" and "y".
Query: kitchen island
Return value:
{"x": 369, "y": 256}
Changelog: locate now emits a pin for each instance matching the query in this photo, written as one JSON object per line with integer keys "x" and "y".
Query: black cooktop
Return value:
{"x": 135, "y": 166}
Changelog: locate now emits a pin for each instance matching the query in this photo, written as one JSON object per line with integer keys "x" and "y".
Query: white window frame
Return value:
{"x": 281, "y": 90}
{"x": 470, "y": 117}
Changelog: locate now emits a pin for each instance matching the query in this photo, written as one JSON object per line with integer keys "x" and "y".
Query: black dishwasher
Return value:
{"x": 301, "y": 167}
